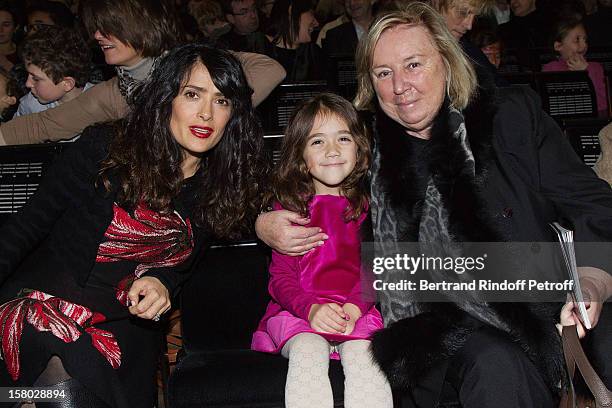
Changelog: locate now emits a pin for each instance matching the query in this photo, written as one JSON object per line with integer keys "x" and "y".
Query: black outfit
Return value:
{"x": 341, "y": 40}
{"x": 532, "y": 30}
{"x": 255, "y": 42}
{"x": 54, "y": 245}
{"x": 598, "y": 26}
{"x": 523, "y": 176}
{"x": 305, "y": 63}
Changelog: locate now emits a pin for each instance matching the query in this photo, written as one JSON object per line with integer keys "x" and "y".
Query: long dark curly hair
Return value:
{"x": 292, "y": 184}
{"x": 145, "y": 159}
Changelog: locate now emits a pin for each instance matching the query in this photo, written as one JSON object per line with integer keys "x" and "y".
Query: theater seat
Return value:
{"x": 221, "y": 305}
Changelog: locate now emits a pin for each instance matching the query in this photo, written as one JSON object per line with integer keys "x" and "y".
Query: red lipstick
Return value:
{"x": 201, "y": 132}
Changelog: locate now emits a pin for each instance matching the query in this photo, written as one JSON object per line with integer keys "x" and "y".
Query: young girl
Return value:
{"x": 571, "y": 44}
{"x": 318, "y": 306}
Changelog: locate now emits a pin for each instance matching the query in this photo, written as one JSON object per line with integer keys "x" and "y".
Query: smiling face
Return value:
{"x": 308, "y": 23}
{"x": 573, "y": 44}
{"x": 409, "y": 78}
{"x": 117, "y": 52}
{"x": 199, "y": 115}
{"x": 459, "y": 18}
{"x": 330, "y": 153}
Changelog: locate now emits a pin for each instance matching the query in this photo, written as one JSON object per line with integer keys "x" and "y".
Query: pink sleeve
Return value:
{"x": 364, "y": 300}
{"x": 360, "y": 299}
{"x": 596, "y": 73}
{"x": 285, "y": 287}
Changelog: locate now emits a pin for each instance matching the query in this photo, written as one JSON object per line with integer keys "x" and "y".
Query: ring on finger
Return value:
{"x": 156, "y": 317}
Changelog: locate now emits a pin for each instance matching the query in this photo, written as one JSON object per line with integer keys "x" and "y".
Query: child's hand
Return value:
{"x": 354, "y": 313}
{"x": 327, "y": 318}
{"x": 569, "y": 316}
{"x": 577, "y": 63}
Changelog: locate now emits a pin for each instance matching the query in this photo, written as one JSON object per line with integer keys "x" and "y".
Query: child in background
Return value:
{"x": 570, "y": 42}
{"x": 318, "y": 305}
{"x": 487, "y": 39}
{"x": 58, "y": 62}
{"x": 10, "y": 92}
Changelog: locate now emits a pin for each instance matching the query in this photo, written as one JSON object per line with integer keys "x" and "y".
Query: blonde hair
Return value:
{"x": 461, "y": 79}
{"x": 479, "y": 6}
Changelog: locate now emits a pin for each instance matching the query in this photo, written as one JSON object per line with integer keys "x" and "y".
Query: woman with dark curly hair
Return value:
{"x": 90, "y": 264}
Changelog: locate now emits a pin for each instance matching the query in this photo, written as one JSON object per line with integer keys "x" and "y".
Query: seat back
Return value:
{"x": 21, "y": 169}
{"x": 344, "y": 75}
{"x": 583, "y": 136}
{"x": 279, "y": 106}
{"x": 272, "y": 147}
{"x": 567, "y": 94}
{"x": 225, "y": 297}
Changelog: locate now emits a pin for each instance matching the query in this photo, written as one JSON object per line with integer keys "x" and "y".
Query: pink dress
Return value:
{"x": 596, "y": 73}
{"x": 330, "y": 273}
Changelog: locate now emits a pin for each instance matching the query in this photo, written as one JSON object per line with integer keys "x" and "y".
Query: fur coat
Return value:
{"x": 489, "y": 196}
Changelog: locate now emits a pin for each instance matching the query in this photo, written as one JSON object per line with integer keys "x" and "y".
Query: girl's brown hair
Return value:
{"x": 292, "y": 184}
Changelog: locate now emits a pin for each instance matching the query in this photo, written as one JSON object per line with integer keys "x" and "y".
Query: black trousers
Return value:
{"x": 490, "y": 371}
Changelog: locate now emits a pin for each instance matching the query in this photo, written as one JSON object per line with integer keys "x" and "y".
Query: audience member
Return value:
{"x": 8, "y": 27}
{"x": 598, "y": 24}
{"x": 603, "y": 167}
{"x": 344, "y": 38}
{"x": 459, "y": 16}
{"x": 10, "y": 93}
{"x": 210, "y": 19}
{"x": 501, "y": 11}
{"x": 570, "y": 42}
{"x": 527, "y": 28}
{"x": 58, "y": 62}
{"x": 590, "y": 6}
{"x": 245, "y": 34}
{"x": 265, "y": 9}
{"x": 485, "y": 37}
{"x": 46, "y": 12}
{"x": 290, "y": 36}
{"x": 133, "y": 34}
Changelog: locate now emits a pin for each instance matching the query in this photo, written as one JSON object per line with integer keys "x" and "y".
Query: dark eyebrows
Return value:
{"x": 200, "y": 89}
{"x": 340, "y": 132}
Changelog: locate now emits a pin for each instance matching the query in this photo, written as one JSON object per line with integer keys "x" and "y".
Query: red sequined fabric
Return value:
{"x": 148, "y": 237}
{"x": 46, "y": 313}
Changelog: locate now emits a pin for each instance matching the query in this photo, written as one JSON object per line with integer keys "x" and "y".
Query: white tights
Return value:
{"x": 307, "y": 379}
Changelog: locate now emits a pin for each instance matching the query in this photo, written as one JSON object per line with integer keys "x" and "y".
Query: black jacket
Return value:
{"x": 66, "y": 219}
{"x": 527, "y": 176}
{"x": 341, "y": 40}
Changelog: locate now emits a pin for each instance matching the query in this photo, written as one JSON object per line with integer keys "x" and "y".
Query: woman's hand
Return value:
{"x": 577, "y": 63}
{"x": 569, "y": 316}
{"x": 276, "y": 229}
{"x": 596, "y": 287}
{"x": 327, "y": 318}
{"x": 354, "y": 314}
{"x": 155, "y": 299}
